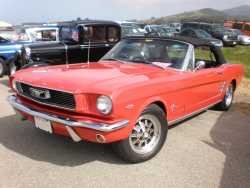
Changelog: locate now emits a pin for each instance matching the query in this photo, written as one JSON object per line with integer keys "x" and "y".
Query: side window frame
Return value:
{"x": 108, "y": 28}
{"x": 85, "y": 41}
{"x": 189, "y": 59}
{"x": 212, "y": 62}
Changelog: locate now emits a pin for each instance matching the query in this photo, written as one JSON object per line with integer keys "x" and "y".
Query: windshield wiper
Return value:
{"x": 147, "y": 62}
{"x": 114, "y": 59}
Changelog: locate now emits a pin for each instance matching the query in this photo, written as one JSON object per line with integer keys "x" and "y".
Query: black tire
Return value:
{"x": 225, "y": 105}
{"x": 125, "y": 148}
{"x": 2, "y": 67}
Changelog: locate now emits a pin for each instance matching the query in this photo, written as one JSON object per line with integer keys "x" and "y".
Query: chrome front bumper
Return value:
{"x": 66, "y": 121}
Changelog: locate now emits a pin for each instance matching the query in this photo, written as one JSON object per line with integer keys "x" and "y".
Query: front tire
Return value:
{"x": 226, "y": 103}
{"x": 2, "y": 67}
{"x": 146, "y": 138}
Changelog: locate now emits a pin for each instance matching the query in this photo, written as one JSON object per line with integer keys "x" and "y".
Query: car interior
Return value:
{"x": 205, "y": 54}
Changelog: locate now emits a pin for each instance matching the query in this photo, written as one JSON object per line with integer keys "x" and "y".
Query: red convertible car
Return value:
{"x": 131, "y": 96}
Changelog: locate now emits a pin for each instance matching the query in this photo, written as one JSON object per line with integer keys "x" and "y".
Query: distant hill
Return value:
{"x": 206, "y": 15}
{"x": 241, "y": 11}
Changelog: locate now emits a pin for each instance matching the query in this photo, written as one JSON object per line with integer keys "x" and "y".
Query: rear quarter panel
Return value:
{"x": 234, "y": 72}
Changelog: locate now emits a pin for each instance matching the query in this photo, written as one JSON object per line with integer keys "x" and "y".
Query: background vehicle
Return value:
{"x": 36, "y": 34}
{"x": 159, "y": 30}
{"x": 79, "y": 41}
{"x": 216, "y": 30}
{"x": 244, "y": 27}
{"x": 129, "y": 31}
{"x": 176, "y": 26}
{"x": 10, "y": 50}
{"x": 242, "y": 38}
{"x": 131, "y": 96}
{"x": 201, "y": 34}
{"x": 8, "y": 55}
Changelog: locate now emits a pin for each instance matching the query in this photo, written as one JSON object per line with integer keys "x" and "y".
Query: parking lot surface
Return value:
{"x": 209, "y": 150}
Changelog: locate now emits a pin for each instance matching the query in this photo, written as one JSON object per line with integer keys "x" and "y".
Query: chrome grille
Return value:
{"x": 55, "y": 98}
{"x": 233, "y": 37}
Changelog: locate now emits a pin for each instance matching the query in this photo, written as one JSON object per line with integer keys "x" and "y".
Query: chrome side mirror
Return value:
{"x": 200, "y": 65}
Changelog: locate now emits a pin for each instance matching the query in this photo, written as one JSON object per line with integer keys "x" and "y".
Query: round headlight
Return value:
{"x": 225, "y": 37}
{"x": 28, "y": 51}
{"x": 104, "y": 104}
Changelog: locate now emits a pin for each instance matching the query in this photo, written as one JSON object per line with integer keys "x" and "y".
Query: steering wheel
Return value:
{"x": 123, "y": 56}
{"x": 138, "y": 58}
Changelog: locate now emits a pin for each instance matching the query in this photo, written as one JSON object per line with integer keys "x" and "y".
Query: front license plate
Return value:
{"x": 43, "y": 124}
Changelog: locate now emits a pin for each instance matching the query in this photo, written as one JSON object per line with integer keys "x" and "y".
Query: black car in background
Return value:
{"x": 216, "y": 30}
{"x": 201, "y": 34}
{"x": 79, "y": 41}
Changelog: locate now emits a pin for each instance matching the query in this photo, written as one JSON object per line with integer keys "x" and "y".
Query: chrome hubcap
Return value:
{"x": 146, "y": 134}
{"x": 229, "y": 95}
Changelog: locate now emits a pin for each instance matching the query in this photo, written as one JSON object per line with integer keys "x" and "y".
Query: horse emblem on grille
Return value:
{"x": 40, "y": 94}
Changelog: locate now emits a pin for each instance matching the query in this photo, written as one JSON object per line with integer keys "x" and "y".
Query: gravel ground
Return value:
{"x": 209, "y": 150}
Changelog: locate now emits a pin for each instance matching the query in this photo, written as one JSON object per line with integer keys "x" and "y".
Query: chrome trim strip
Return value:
{"x": 42, "y": 87}
{"x": 192, "y": 114}
{"x": 65, "y": 121}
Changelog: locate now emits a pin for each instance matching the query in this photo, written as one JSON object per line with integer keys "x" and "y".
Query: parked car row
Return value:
{"x": 67, "y": 42}
{"x": 201, "y": 34}
{"x": 88, "y": 40}
{"x": 228, "y": 36}
{"x": 217, "y": 34}
{"x": 11, "y": 49}
{"x": 242, "y": 38}
{"x": 71, "y": 42}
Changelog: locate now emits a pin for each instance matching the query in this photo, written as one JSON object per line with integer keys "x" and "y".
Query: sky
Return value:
{"x": 19, "y": 11}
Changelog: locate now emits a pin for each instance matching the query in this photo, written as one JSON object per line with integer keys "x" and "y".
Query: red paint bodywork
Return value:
{"x": 179, "y": 93}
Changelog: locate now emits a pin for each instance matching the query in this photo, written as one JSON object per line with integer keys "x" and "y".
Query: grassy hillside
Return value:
{"x": 239, "y": 55}
{"x": 206, "y": 15}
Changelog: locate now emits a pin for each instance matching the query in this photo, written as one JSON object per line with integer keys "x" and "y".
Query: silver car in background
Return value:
{"x": 242, "y": 38}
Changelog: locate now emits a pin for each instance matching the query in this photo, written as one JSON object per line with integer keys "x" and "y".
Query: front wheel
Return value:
{"x": 228, "y": 99}
{"x": 146, "y": 138}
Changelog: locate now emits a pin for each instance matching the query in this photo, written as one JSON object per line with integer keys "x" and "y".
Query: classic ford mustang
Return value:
{"x": 131, "y": 96}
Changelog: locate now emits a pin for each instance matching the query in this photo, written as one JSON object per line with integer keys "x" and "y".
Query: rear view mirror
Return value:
{"x": 200, "y": 65}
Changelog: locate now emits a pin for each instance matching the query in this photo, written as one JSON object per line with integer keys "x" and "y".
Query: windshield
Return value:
{"x": 131, "y": 31}
{"x": 43, "y": 34}
{"x": 203, "y": 34}
{"x": 162, "y": 53}
{"x": 238, "y": 32}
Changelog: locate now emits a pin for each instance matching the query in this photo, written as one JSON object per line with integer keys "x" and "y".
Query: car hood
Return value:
{"x": 244, "y": 37}
{"x": 103, "y": 77}
{"x": 214, "y": 40}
